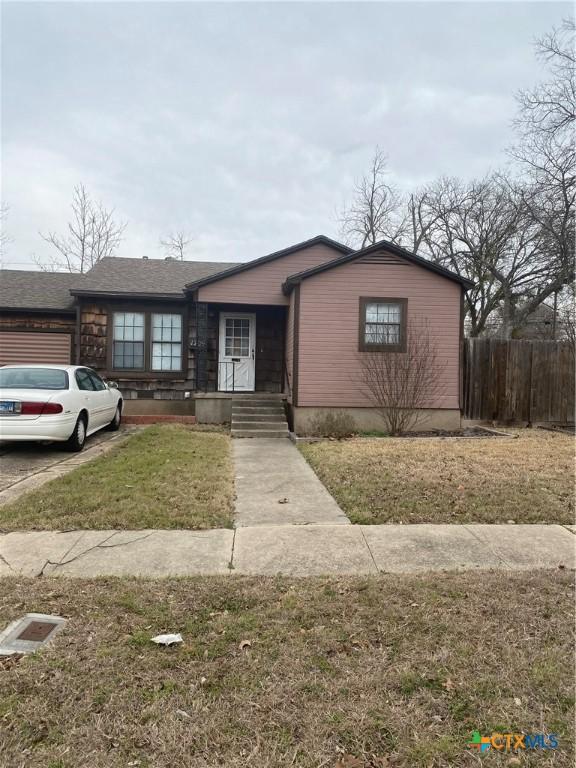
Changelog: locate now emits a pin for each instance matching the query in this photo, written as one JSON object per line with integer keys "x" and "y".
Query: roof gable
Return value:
{"x": 235, "y": 269}
{"x": 382, "y": 252}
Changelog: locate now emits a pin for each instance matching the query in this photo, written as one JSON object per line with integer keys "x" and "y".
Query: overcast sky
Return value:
{"x": 245, "y": 124}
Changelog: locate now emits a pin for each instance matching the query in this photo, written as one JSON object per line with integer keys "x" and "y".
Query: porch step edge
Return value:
{"x": 244, "y": 417}
{"x": 255, "y": 397}
{"x": 258, "y": 412}
{"x": 260, "y": 426}
{"x": 260, "y": 433}
{"x": 257, "y": 404}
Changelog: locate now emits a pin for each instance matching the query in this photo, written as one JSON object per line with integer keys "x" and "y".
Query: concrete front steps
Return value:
{"x": 259, "y": 417}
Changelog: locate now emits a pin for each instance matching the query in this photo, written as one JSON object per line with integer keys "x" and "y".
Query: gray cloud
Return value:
{"x": 246, "y": 124}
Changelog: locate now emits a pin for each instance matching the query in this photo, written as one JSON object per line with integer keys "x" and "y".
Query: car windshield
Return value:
{"x": 33, "y": 378}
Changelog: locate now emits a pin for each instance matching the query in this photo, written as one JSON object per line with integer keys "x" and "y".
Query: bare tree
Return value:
{"x": 550, "y": 107}
{"x": 93, "y": 234}
{"x": 175, "y": 244}
{"x": 374, "y": 213}
{"x": 487, "y": 231}
{"x": 4, "y": 236}
{"x": 546, "y": 159}
{"x": 401, "y": 384}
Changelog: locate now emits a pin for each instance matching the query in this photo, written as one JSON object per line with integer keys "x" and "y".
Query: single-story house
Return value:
{"x": 184, "y": 336}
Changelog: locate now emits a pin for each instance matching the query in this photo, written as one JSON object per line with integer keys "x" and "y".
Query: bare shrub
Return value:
{"x": 401, "y": 384}
{"x": 336, "y": 424}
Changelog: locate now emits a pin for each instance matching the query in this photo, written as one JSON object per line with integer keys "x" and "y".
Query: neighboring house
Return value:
{"x": 180, "y": 337}
{"x": 37, "y": 317}
{"x": 541, "y": 324}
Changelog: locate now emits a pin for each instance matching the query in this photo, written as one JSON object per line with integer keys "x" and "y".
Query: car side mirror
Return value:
{"x": 112, "y": 384}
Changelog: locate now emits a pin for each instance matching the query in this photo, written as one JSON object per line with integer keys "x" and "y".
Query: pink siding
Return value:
{"x": 329, "y": 320}
{"x": 289, "y": 346}
{"x": 263, "y": 284}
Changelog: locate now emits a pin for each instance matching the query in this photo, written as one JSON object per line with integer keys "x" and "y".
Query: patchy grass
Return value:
{"x": 166, "y": 476}
{"x": 392, "y": 671}
{"x": 528, "y": 479}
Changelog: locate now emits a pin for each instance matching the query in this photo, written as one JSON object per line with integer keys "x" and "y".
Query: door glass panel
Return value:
{"x": 237, "y": 337}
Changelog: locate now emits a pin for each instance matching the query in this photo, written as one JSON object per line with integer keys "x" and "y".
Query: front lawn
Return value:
{"x": 166, "y": 476}
{"x": 360, "y": 673}
{"x": 482, "y": 480}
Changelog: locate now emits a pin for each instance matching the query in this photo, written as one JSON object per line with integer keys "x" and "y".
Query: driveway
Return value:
{"x": 24, "y": 466}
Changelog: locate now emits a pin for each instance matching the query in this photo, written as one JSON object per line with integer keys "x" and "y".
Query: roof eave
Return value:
{"x": 128, "y": 295}
{"x": 41, "y": 310}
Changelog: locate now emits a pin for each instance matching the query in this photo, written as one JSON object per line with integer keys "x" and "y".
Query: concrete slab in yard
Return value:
{"x": 275, "y": 485}
{"x": 26, "y": 553}
{"x": 426, "y": 547}
{"x": 118, "y": 553}
{"x": 528, "y": 546}
{"x": 310, "y": 550}
{"x": 150, "y": 553}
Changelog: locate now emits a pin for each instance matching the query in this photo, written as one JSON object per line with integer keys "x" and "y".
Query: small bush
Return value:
{"x": 337, "y": 424}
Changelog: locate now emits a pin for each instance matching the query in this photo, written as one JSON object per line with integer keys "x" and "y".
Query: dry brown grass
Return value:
{"x": 166, "y": 476}
{"x": 529, "y": 479}
{"x": 394, "y": 671}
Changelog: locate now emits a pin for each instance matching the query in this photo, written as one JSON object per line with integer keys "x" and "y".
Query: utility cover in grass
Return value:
{"x": 29, "y": 633}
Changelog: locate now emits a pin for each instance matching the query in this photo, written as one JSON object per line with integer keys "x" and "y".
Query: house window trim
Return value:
{"x": 147, "y": 372}
{"x": 363, "y": 346}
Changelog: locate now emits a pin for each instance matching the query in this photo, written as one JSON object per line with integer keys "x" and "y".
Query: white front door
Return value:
{"x": 236, "y": 352}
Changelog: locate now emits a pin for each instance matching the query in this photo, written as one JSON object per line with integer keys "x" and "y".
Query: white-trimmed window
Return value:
{"x": 166, "y": 342}
{"x": 382, "y": 324}
{"x": 128, "y": 341}
{"x": 147, "y": 341}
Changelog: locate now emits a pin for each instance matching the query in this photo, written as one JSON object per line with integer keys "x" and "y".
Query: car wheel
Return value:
{"x": 117, "y": 420}
{"x": 77, "y": 439}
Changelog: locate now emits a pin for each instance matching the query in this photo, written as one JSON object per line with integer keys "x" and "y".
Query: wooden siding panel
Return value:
{"x": 263, "y": 284}
{"x": 29, "y": 347}
{"x": 329, "y": 359}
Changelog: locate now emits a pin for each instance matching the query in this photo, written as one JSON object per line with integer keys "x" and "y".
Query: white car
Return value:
{"x": 63, "y": 403}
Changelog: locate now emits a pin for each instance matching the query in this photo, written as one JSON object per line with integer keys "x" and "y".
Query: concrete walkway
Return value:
{"x": 276, "y": 486}
{"x": 289, "y": 550}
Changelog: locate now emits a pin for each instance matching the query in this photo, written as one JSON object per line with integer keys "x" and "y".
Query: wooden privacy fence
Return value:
{"x": 516, "y": 380}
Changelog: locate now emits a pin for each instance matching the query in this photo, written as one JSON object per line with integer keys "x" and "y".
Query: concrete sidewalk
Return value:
{"x": 275, "y": 485}
{"x": 289, "y": 550}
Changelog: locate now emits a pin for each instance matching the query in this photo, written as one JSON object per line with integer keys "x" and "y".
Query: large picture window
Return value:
{"x": 147, "y": 341}
{"x": 382, "y": 324}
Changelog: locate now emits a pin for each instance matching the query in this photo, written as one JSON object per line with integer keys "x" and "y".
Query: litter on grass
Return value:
{"x": 168, "y": 639}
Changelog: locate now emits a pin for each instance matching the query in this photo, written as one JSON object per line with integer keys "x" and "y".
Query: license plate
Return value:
{"x": 7, "y": 406}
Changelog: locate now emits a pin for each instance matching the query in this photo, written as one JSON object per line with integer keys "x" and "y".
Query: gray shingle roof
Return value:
{"x": 21, "y": 289}
{"x": 146, "y": 276}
